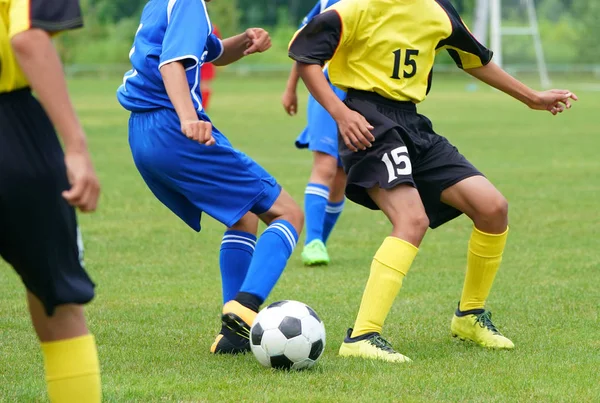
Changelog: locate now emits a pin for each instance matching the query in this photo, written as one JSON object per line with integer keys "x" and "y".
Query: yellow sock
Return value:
{"x": 390, "y": 265}
{"x": 483, "y": 260}
{"x": 72, "y": 370}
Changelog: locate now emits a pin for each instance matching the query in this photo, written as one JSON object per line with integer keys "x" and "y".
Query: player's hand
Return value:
{"x": 355, "y": 130}
{"x": 289, "y": 100}
{"x": 553, "y": 101}
{"x": 258, "y": 41}
{"x": 198, "y": 130}
{"x": 85, "y": 188}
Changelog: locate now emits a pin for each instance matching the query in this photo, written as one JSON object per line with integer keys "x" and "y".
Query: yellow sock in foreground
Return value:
{"x": 483, "y": 260}
{"x": 390, "y": 264}
{"x": 72, "y": 370}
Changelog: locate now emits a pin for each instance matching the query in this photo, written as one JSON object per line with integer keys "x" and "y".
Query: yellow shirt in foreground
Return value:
{"x": 17, "y": 16}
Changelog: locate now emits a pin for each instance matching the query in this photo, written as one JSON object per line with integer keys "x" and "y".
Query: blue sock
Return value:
{"x": 272, "y": 252}
{"x": 237, "y": 249}
{"x": 315, "y": 202}
{"x": 332, "y": 213}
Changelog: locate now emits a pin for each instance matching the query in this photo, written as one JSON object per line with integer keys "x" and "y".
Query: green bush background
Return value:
{"x": 570, "y": 29}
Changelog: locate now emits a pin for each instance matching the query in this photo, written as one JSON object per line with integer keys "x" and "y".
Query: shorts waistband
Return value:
{"x": 378, "y": 99}
{"x": 16, "y": 95}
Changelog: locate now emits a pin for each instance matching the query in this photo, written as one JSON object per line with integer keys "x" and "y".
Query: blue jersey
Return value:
{"x": 169, "y": 30}
{"x": 316, "y": 10}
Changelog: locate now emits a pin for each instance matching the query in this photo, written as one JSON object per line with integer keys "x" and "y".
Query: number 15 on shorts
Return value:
{"x": 397, "y": 163}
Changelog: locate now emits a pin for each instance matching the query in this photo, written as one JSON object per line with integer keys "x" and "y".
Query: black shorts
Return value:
{"x": 406, "y": 150}
{"x": 38, "y": 228}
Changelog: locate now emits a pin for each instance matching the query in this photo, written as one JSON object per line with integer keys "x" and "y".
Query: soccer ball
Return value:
{"x": 287, "y": 335}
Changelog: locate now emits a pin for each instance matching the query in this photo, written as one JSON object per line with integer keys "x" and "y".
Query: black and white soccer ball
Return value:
{"x": 287, "y": 335}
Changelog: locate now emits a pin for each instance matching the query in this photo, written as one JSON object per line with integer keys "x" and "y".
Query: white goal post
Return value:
{"x": 488, "y": 19}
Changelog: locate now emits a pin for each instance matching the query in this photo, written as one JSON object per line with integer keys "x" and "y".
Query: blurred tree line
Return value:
{"x": 570, "y": 28}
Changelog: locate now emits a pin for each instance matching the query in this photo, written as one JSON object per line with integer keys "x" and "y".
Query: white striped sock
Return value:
{"x": 313, "y": 190}
{"x": 238, "y": 241}
{"x": 286, "y": 232}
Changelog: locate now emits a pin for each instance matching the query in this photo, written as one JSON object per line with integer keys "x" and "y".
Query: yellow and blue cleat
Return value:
{"x": 237, "y": 318}
{"x": 229, "y": 343}
{"x": 370, "y": 346}
{"x": 315, "y": 254}
{"x": 476, "y": 325}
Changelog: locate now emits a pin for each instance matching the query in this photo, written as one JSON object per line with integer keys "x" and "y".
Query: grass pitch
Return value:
{"x": 158, "y": 295}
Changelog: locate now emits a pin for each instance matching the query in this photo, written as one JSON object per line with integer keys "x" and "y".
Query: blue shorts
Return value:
{"x": 321, "y": 133}
{"x": 190, "y": 178}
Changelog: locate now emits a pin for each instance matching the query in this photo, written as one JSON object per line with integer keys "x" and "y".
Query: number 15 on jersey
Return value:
{"x": 410, "y": 65}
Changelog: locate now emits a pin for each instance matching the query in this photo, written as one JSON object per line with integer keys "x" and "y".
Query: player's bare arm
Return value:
{"x": 353, "y": 127}
{"x": 176, "y": 84}
{"x": 254, "y": 40}
{"x": 41, "y": 65}
{"x": 553, "y": 101}
{"x": 289, "y": 100}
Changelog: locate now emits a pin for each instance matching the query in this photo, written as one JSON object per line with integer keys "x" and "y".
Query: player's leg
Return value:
{"x": 54, "y": 275}
{"x": 70, "y": 356}
{"x": 403, "y": 207}
{"x": 321, "y": 137}
{"x": 237, "y": 249}
{"x": 485, "y": 205}
{"x": 316, "y": 197}
{"x": 223, "y": 182}
{"x": 335, "y": 205}
{"x": 39, "y": 238}
{"x": 285, "y": 220}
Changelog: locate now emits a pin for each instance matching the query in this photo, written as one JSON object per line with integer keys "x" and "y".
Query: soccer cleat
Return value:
{"x": 476, "y": 325}
{"x": 372, "y": 346}
{"x": 315, "y": 254}
{"x": 229, "y": 344}
{"x": 237, "y": 318}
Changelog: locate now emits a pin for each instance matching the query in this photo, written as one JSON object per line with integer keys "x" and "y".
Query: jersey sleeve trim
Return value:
{"x": 220, "y": 53}
{"x": 54, "y": 17}
{"x": 466, "y": 51}
{"x": 181, "y": 58}
{"x": 50, "y": 26}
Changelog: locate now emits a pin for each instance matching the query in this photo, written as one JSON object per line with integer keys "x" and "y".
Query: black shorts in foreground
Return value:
{"x": 406, "y": 150}
{"x": 38, "y": 228}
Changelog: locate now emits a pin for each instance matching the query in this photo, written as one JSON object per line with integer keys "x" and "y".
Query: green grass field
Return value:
{"x": 158, "y": 296}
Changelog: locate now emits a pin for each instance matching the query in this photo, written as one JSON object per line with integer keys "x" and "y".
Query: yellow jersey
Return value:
{"x": 387, "y": 46}
{"x": 17, "y": 16}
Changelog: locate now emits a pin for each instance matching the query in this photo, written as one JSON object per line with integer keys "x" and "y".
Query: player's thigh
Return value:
{"x": 401, "y": 204}
{"x": 479, "y": 199}
{"x": 224, "y": 182}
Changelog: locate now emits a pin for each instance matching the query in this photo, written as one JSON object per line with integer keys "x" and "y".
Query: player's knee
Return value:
{"x": 411, "y": 227}
{"x": 248, "y": 223}
{"x": 296, "y": 217}
{"x": 68, "y": 321}
{"x": 323, "y": 174}
{"x": 495, "y": 211}
{"x": 324, "y": 169}
{"x": 420, "y": 223}
{"x": 285, "y": 208}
